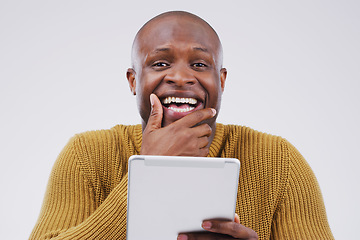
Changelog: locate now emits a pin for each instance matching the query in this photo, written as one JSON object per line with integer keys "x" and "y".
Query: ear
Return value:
{"x": 223, "y": 74}
{"x": 130, "y": 74}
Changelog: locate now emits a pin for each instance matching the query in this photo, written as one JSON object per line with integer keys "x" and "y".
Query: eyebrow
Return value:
{"x": 161, "y": 50}
{"x": 165, "y": 49}
{"x": 200, "y": 49}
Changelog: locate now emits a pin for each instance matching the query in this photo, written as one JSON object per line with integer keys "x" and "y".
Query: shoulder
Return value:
{"x": 248, "y": 137}
{"x": 257, "y": 151}
{"x": 99, "y": 145}
{"x": 102, "y": 154}
{"x": 116, "y": 132}
{"x": 105, "y": 137}
{"x": 261, "y": 150}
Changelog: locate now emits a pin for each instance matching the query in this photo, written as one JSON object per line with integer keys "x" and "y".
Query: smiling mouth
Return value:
{"x": 180, "y": 104}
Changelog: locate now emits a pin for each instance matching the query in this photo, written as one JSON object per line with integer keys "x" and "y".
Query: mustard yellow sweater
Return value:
{"x": 86, "y": 197}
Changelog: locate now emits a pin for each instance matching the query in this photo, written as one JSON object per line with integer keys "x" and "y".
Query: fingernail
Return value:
{"x": 182, "y": 237}
{"x": 152, "y": 99}
{"x": 206, "y": 225}
{"x": 214, "y": 111}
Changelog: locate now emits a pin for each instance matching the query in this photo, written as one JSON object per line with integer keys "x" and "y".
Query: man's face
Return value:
{"x": 179, "y": 60}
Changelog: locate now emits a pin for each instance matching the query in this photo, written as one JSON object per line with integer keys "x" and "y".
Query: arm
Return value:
{"x": 70, "y": 209}
{"x": 301, "y": 213}
{"x": 185, "y": 137}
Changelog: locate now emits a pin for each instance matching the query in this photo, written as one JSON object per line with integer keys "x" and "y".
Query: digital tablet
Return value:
{"x": 169, "y": 195}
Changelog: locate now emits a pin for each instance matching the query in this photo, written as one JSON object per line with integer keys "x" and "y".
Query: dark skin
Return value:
{"x": 178, "y": 56}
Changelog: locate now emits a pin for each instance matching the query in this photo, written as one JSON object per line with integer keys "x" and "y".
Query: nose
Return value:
{"x": 180, "y": 76}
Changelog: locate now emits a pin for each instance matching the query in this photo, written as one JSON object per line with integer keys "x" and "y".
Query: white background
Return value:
{"x": 293, "y": 71}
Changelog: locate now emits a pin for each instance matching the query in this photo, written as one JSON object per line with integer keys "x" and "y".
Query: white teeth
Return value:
{"x": 188, "y": 109}
{"x": 169, "y": 100}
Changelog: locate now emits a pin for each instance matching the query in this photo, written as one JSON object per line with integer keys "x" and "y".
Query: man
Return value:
{"x": 178, "y": 79}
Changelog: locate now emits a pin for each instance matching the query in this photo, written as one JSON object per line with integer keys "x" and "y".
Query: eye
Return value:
{"x": 160, "y": 64}
{"x": 199, "y": 65}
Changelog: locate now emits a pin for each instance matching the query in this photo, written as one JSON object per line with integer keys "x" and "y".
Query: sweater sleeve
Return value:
{"x": 301, "y": 213}
{"x": 70, "y": 209}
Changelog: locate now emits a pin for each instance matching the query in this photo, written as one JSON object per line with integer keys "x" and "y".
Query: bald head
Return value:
{"x": 176, "y": 14}
{"x": 176, "y": 24}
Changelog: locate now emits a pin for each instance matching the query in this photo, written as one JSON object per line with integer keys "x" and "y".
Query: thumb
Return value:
{"x": 156, "y": 114}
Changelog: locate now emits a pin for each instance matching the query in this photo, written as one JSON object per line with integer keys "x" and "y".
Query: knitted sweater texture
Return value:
{"x": 86, "y": 197}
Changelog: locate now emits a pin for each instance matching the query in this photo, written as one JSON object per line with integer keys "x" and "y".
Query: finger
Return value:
{"x": 233, "y": 229}
{"x": 203, "y": 152}
{"x": 203, "y": 130}
{"x": 203, "y": 142}
{"x": 155, "y": 118}
{"x": 196, "y": 117}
